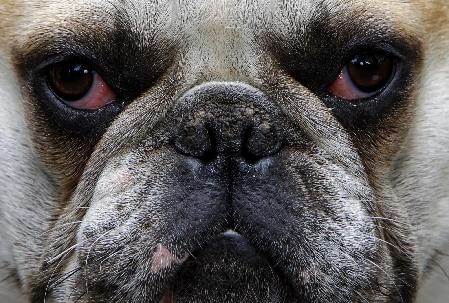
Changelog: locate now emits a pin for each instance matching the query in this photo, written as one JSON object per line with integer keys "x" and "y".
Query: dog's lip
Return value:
{"x": 224, "y": 244}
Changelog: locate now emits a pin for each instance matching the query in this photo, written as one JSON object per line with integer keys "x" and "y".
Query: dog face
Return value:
{"x": 223, "y": 151}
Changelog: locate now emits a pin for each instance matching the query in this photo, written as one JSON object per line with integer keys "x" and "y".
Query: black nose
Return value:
{"x": 232, "y": 119}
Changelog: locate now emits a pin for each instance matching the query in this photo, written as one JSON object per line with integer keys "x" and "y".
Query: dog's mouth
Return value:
{"x": 178, "y": 248}
{"x": 227, "y": 269}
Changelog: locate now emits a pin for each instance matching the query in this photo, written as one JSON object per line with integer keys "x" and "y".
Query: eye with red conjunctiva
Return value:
{"x": 366, "y": 75}
{"x": 79, "y": 86}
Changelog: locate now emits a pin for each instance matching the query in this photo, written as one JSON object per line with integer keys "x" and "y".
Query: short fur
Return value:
{"x": 103, "y": 208}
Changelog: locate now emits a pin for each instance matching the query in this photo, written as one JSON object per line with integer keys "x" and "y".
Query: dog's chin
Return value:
{"x": 228, "y": 269}
{"x": 225, "y": 269}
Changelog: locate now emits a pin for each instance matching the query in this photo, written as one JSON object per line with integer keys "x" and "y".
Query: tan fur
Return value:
{"x": 210, "y": 42}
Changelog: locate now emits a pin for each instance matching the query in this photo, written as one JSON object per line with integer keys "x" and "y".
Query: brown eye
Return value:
{"x": 71, "y": 81}
{"x": 364, "y": 76}
{"x": 79, "y": 86}
{"x": 370, "y": 72}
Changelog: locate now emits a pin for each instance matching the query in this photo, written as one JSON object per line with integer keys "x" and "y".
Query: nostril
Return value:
{"x": 196, "y": 140}
{"x": 261, "y": 141}
{"x": 211, "y": 153}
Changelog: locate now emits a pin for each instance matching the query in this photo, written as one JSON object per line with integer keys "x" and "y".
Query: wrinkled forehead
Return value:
{"x": 190, "y": 19}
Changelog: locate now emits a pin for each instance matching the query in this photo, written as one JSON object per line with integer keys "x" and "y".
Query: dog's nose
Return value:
{"x": 233, "y": 119}
{"x": 205, "y": 137}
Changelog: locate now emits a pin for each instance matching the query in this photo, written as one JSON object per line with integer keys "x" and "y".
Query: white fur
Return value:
{"x": 425, "y": 174}
{"x": 25, "y": 188}
{"x": 24, "y": 191}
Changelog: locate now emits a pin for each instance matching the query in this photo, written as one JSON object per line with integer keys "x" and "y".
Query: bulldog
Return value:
{"x": 223, "y": 151}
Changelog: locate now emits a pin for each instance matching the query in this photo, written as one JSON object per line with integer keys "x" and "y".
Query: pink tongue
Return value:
{"x": 168, "y": 298}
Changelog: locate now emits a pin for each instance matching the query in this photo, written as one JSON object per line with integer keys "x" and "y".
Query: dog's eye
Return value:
{"x": 364, "y": 76}
{"x": 79, "y": 86}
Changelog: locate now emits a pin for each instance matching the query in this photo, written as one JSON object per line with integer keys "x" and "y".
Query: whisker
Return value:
{"x": 52, "y": 260}
{"x": 94, "y": 243}
{"x": 439, "y": 252}
{"x": 388, "y": 275}
{"x": 64, "y": 277}
{"x": 389, "y": 220}
{"x": 47, "y": 288}
{"x": 80, "y": 297}
{"x": 70, "y": 223}
{"x": 361, "y": 296}
{"x": 88, "y": 254}
{"x": 389, "y": 244}
{"x": 383, "y": 291}
{"x": 8, "y": 277}
{"x": 443, "y": 270}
